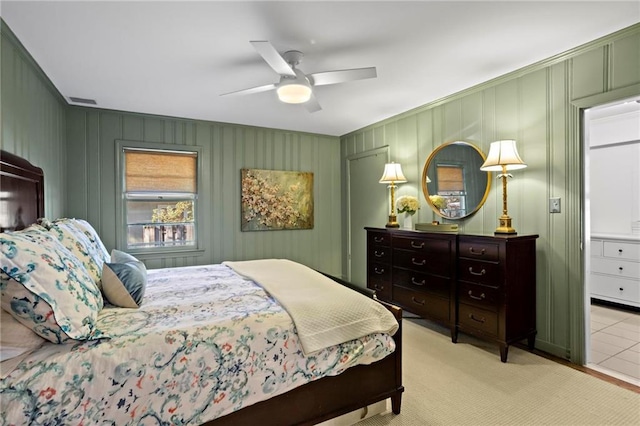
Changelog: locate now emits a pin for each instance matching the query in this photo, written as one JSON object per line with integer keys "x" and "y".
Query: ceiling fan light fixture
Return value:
{"x": 294, "y": 92}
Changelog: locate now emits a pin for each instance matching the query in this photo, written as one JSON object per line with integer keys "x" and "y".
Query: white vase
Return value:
{"x": 407, "y": 221}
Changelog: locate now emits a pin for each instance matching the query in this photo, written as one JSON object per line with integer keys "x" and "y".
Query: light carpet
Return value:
{"x": 466, "y": 384}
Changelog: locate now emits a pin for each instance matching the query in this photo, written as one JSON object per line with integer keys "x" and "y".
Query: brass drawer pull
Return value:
{"x": 414, "y": 245}
{"x": 422, "y": 262}
{"x": 378, "y": 254}
{"x": 477, "y": 273}
{"x": 481, "y": 297}
{"x": 378, "y": 239}
{"x": 477, "y": 253}
{"x": 413, "y": 281}
{"x": 378, "y": 271}
{"x": 419, "y": 302}
{"x": 378, "y": 287}
{"x": 480, "y": 320}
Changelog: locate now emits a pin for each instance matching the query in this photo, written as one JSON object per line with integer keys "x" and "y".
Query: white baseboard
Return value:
{"x": 358, "y": 415}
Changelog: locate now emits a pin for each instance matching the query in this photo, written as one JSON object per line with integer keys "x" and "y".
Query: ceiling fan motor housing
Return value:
{"x": 293, "y": 57}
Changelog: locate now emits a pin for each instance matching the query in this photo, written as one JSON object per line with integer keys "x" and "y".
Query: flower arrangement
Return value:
{"x": 438, "y": 201}
{"x": 407, "y": 204}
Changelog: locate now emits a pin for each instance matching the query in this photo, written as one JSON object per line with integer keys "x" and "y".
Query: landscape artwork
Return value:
{"x": 276, "y": 200}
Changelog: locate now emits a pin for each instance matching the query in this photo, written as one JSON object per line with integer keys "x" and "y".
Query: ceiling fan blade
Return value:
{"x": 341, "y": 76}
{"x": 251, "y": 90}
{"x": 312, "y": 104}
{"x": 273, "y": 58}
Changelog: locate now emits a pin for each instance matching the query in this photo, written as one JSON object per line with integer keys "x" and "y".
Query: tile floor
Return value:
{"x": 615, "y": 343}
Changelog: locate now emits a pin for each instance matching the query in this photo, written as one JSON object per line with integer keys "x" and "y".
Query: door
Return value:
{"x": 368, "y": 205}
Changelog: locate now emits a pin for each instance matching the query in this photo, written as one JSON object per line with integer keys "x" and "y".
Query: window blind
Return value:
{"x": 450, "y": 178}
{"x": 160, "y": 171}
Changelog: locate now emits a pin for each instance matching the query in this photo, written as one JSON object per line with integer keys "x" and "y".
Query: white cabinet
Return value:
{"x": 615, "y": 268}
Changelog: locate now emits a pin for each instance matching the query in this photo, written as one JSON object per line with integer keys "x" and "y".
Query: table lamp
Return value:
{"x": 503, "y": 156}
{"x": 392, "y": 174}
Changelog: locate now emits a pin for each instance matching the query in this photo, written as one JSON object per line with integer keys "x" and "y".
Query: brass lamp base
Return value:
{"x": 393, "y": 222}
{"x": 505, "y": 226}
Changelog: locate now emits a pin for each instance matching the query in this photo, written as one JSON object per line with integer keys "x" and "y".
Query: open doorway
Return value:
{"x": 612, "y": 238}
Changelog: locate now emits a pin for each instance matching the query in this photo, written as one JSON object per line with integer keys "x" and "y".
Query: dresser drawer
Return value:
{"x": 620, "y": 290}
{"x": 422, "y": 282}
{"x": 437, "y": 263}
{"x": 423, "y": 245}
{"x": 479, "y": 250}
{"x": 379, "y": 238}
{"x": 481, "y": 296}
{"x": 485, "y": 273}
{"x": 616, "y": 268}
{"x": 622, "y": 250}
{"x": 472, "y": 317}
{"x": 383, "y": 290}
{"x": 596, "y": 247}
{"x": 379, "y": 254}
{"x": 380, "y": 273}
{"x": 423, "y": 304}
{"x": 379, "y": 279}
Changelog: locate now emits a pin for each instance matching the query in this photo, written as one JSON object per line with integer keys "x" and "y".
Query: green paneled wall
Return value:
{"x": 32, "y": 118}
{"x": 537, "y": 106}
{"x": 226, "y": 149}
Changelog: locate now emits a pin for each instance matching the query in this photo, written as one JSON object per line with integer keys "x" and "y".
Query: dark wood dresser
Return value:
{"x": 414, "y": 270}
{"x": 497, "y": 289}
{"x": 480, "y": 285}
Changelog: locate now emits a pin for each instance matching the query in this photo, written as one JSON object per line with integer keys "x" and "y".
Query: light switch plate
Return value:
{"x": 554, "y": 205}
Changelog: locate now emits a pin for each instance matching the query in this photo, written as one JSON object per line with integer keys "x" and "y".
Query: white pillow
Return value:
{"x": 16, "y": 339}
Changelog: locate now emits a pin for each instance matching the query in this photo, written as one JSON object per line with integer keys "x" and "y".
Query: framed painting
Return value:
{"x": 275, "y": 199}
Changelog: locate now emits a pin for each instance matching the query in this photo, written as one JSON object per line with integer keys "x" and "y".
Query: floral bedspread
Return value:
{"x": 204, "y": 343}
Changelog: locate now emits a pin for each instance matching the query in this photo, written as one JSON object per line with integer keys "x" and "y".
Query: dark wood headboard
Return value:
{"x": 21, "y": 192}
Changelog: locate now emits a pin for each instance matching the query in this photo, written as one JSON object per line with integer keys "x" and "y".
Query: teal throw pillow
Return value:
{"x": 124, "y": 280}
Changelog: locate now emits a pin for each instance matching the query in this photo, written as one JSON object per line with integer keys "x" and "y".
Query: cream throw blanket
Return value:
{"x": 324, "y": 312}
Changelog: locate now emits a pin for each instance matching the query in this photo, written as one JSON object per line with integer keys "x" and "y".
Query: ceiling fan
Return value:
{"x": 294, "y": 86}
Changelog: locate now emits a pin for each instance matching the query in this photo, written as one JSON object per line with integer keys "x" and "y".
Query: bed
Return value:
{"x": 112, "y": 377}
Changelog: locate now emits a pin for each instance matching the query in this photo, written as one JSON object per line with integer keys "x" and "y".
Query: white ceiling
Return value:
{"x": 176, "y": 58}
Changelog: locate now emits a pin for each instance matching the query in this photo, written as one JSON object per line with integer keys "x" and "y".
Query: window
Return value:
{"x": 450, "y": 179}
{"x": 451, "y": 187}
{"x": 159, "y": 191}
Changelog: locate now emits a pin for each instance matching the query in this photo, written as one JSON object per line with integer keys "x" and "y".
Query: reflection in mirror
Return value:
{"x": 452, "y": 182}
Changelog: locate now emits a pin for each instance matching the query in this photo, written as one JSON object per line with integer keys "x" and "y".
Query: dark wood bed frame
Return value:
{"x": 22, "y": 203}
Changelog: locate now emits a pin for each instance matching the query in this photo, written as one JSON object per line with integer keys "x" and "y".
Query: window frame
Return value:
{"x": 121, "y": 200}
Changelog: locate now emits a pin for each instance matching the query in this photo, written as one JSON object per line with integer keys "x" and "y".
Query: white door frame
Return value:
{"x": 580, "y": 329}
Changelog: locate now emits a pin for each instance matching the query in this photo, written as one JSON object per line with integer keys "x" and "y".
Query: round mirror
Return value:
{"x": 452, "y": 182}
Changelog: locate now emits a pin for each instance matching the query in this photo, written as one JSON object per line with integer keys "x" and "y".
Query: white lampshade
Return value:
{"x": 503, "y": 153}
{"x": 294, "y": 92}
{"x": 392, "y": 174}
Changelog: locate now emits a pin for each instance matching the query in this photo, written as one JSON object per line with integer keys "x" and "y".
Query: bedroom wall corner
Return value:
{"x": 33, "y": 118}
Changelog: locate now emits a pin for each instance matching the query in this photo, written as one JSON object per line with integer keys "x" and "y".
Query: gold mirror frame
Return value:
{"x": 464, "y": 160}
